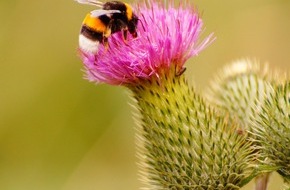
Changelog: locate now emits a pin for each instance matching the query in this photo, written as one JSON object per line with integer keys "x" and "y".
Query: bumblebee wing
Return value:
{"x": 91, "y": 2}
{"x": 100, "y": 12}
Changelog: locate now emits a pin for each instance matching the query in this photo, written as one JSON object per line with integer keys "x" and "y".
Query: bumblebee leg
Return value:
{"x": 125, "y": 34}
{"x": 134, "y": 34}
{"x": 107, "y": 33}
{"x": 111, "y": 28}
{"x": 124, "y": 29}
{"x": 105, "y": 42}
{"x": 120, "y": 25}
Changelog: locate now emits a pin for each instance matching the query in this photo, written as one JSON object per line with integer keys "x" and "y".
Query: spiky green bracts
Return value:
{"x": 272, "y": 128}
{"x": 239, "y": 87}
{"x": 183, "y": 143}
{"x": 252, "y": 98}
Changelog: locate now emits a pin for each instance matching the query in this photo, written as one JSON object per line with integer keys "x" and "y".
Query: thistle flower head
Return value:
{"x": 166, "y": 35}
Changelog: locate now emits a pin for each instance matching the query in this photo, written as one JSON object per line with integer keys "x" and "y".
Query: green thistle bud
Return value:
{"x": 238, "y": 88}
{"x": 245, "y": 91}
{"x": 182, "y": 142}
{"x": 272, "y": 129}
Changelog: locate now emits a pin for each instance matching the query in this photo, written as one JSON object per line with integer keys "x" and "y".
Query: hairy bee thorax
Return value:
{"x": 99, "y": 25}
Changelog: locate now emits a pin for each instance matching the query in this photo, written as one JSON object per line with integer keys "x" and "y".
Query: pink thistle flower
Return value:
{"x": 166, "y": 35}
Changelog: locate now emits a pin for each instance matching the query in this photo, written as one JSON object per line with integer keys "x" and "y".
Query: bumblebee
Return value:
{"x": 100, "y": 24}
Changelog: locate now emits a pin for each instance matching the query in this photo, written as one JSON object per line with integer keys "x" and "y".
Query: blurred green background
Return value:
{"x": 60, "y": 132}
